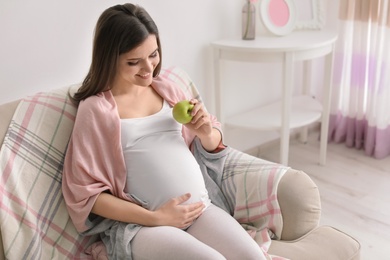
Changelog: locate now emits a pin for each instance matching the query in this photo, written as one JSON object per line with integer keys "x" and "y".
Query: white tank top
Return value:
{"x": 159, "y": 164}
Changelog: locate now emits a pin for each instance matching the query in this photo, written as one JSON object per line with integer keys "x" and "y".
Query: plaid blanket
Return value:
{"x": 33, "y": 218}
{"x": 250, "y": 186}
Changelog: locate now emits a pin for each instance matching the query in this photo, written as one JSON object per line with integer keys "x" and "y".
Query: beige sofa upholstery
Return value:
{"x": 299, "y": 199}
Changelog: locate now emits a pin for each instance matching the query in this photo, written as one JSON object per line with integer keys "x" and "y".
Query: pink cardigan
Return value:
{"x": 94, "y": 160}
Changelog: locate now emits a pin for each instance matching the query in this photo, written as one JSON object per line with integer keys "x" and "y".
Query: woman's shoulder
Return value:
{"x": 103, "y": 98}
{"x": 168, "y": 89}
{"x": 164, "y": 82}
{"x": 96, "y": 115}
{"x": 96, "y": 104}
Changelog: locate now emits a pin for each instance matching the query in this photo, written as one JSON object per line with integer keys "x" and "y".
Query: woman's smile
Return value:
{"x": 144, "y": 76}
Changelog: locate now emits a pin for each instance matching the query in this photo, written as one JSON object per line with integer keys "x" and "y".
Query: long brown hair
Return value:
{"x": 119, "y": 29}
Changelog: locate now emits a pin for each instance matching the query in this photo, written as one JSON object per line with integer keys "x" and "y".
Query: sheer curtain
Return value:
{"x": 360, "y": 110}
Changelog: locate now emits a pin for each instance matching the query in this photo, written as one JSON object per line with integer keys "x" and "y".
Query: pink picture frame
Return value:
{"x": 278, "y": 16}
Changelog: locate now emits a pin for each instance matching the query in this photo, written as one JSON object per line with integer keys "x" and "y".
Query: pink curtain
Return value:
{"x": 360, "y": 110}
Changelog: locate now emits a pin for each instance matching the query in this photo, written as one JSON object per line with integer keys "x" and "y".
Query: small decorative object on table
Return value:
{"x": 249, "y": 20}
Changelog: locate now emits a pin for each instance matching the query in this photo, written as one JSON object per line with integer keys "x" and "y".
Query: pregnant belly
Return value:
{"x": 153, "y": 182}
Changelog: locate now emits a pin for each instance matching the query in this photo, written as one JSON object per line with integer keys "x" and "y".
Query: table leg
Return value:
{"x": 307, "y": 72}
{"x": 288, "y": 82}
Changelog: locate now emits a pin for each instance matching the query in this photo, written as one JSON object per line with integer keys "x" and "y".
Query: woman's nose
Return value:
{"x": 148, "y": 65}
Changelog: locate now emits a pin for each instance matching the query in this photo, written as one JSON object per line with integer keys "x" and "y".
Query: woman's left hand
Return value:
{"x": 200, "y": 123}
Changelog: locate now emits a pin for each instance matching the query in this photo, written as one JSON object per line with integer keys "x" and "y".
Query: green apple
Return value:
{"x": 182, "y": 111}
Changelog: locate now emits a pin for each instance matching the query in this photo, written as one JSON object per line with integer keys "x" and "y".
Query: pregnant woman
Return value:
{"x": 129, "y": 174}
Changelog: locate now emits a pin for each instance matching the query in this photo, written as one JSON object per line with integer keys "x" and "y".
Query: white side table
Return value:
{"x": 292, "y": 111}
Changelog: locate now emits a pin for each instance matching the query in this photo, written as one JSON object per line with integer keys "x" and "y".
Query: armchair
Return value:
{"x": 279, "y": 206}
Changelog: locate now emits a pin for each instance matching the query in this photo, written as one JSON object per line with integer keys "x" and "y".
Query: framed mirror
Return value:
{"x": 278, "y": 16}
{"x": 310, "y": 15}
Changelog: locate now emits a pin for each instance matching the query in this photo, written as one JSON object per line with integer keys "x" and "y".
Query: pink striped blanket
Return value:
{"x": 33, "y": 218}
{"x": 250, "y": 185}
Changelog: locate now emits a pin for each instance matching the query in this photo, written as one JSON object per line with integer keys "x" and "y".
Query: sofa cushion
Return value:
{"x": 316, "y": 245}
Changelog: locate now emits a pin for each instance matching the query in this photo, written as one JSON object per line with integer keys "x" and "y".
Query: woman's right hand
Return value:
{"x": 175, "y": 213}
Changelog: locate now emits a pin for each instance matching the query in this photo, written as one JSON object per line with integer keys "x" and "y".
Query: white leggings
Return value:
{"x": 214, "y": 235}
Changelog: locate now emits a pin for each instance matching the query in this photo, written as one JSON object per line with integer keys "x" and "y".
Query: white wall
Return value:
{"x": 45, "y": 44}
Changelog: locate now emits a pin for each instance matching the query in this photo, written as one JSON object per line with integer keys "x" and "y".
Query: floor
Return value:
{"x": 354, "y": 188}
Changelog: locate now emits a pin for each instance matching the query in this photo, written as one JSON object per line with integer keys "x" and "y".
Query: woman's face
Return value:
{"x": 136, "y": 66}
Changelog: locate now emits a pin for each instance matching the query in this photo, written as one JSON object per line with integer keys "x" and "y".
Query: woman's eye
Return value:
{"x": 154, "y": 54}
{"x": 132, "y": 63}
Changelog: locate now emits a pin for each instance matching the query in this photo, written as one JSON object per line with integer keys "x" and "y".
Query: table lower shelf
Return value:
{"x": 304, "y": 111}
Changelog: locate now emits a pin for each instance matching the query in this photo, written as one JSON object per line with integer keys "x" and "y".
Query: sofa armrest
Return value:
{"x": 2, "y": 257}
{"x": 299, "y": 201}
{"x": 6, "y": 111}
{"x": 263, "y": 194}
